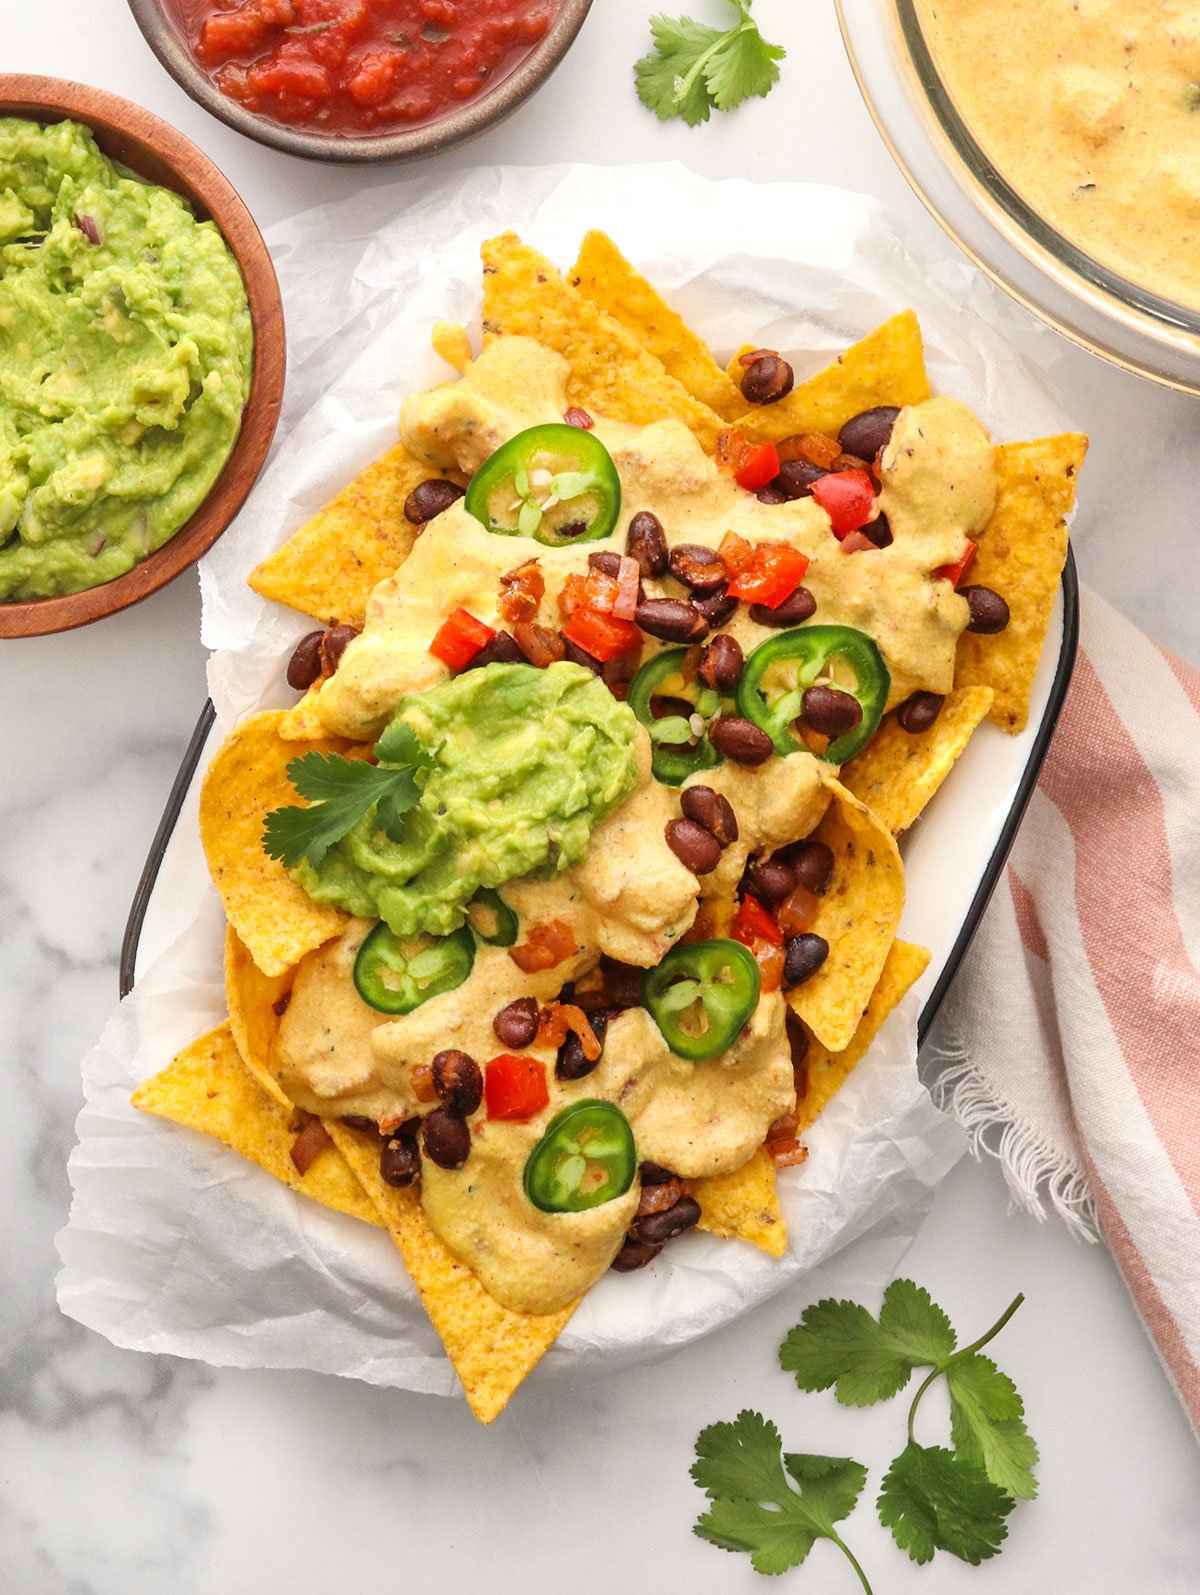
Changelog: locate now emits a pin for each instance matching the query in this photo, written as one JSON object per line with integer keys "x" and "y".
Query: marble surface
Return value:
{"x": 123, "y": 1473}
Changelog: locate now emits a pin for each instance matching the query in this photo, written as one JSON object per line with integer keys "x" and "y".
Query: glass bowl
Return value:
{"x": 985, "y": 216}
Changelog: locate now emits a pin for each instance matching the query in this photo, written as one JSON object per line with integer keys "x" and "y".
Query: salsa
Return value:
{"x": 360, "y": 66}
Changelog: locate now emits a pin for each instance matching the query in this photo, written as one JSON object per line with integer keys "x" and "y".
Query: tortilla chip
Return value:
{"x": 603, "y": 276}
{"x": 744, "y": 1205}
{"x": 491, "y": 1347}
{"x": 302, "y": 723}
{"x": 611, "y": 374}
{"x": 1021, "y": 555}
{"x": 274, "y": 916}
{"x": 827, "y": 1070}
{"x": 858, "y": 916}
{"x": 330, "y": 566}
{"x": 255, "y": 1001}
{"x": 896, "y": 774}
{"x": 208, "y": 1088}
{"x": 885, "y": 367}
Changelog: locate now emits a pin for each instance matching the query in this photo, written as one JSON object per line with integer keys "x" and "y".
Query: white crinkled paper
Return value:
{"x": 175, "y": 1244}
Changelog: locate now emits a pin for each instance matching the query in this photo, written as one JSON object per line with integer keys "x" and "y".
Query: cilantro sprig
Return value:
{"x": 694, "y": 68}
{"x": 340, "y": 791}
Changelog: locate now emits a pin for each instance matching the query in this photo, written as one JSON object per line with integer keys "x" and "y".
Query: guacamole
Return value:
{"x": 526, "y": 763}
{"x": 125, "y": 362}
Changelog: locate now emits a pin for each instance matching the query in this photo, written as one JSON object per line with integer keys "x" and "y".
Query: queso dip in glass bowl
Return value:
{"x": 1058, "y": 143}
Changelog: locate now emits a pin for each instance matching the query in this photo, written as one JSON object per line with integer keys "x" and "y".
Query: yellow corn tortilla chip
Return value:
{"x": 611, "y": 374}
{"x": 329, "y": 567}
{"x": 275, "y": 918}
{"x": 603, "y": 276}
{"x": 744, "y": 1205}
{"x": 885, "y": 367}
{"x": 302, "y": 723}
{"x": 858, "y": 916}
{"x": 826, "y": 1069}
{"x": 253, "y": 998}
{"x": 491, "y": 1347}
{"x": 207, "y": 1087}
{"x": 896, "y": 774}
{"x": 1021, "y": 556}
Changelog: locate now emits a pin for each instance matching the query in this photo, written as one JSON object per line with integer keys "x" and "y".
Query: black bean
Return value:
{"x": 572, "y": 1063}
{"x": 740, "y": 740}
{"x": 671, "y": 620}
{"x": 767, "y": 378}
{"x": 617, "y": 673}
{"x": 646, "y": 542}
{"x": 430, "y": 498}
{"x": 517, "y": 1024}
{"x": 989, "y": 612}
{"x": 360, "y": 1121}
{"x": 715, "y": 608}
{"x": 580, "y": 656}
{"x": 634, "y": 1255}
{"x": 771, "y": 495}
{"x": 795, "y": 609}
{"x": 622, "y": 983}
{"x": 811, "y": 862}
{"x": 868, "y": 431}
{"x": 700, "y": 569}
{"x": 711, "y": 810}
{"x": 446, "y": 1138}
{"x": 653, "y": 1173}
{"x": 458, "y": 1080}
{"x": 502, "y": 650}
{"x": 305, "y": 664}
{"x": 878, "y": 531}
{"x": 694, "y": 847}
{"x": 770, "y": 879}
{"x": 802, "y": 957}
{"x": 796, "y": 478}
{"x": 918, "y": 713}
{"x": 657, "y": 1228}
{"x": 830, "y": 711}
{"x": 606, "y": 562}
{"x": 399, "y": 1162}
{"x": 722, "y": 663}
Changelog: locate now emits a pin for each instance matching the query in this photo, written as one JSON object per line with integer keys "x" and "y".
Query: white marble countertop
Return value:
{"x": 122, "y": 1473}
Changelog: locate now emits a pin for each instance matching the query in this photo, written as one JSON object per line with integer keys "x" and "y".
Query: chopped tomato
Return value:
{"x": 786, "y": 1154}
{"x": 460, "y": 638}
{"x": 737, "y": 553}
{"x": 375, "y": 76}
{"x": 753, "y": 464}
{"x": 227, "y": 34}
{"x": 955, "y": 573}
{"x": 545, "y": 946}
{"x": 817, "y": 448}
{"x": 313, "y": 1139}
{"x": 602, "y": 636}
{"x": 600, "y": 592}
{"x": 770, "y": 959}
{"x": 772, "y": 575}
{"x": 522, "y": 591}
{"x": 798, "y": 911}
{"x": 629, "y": 585}
{"x": 753, "y": 923}
{"x": 514, "y": 1087}
{"x": 848, "y": 498}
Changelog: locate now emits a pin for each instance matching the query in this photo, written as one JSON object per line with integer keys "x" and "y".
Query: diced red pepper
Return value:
{"x": 848, "y": 498}
{"x": 545, "y": 946}
{"x": 602, "y": 636}
{"x": 760, "y": 467}
{"x": 514, "y": 1087}
{"x": 955, "y": 573}
{"x": 459, "y": 639}
{"x": 753, "y": 923}
{"x": 771, "y": 576}
{"x": 737, "y": 553}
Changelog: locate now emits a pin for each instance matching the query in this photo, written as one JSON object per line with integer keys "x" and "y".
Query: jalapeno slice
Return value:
{"x": 777, "y": 673}
{"x": 587, "y": 1157}
{"x": 678, "y": 751}
{"x": 397, "y": 976}
{"x": 492, "y": 920}
{"x": 556, "y": 484}
{"x": 702, "y": 995}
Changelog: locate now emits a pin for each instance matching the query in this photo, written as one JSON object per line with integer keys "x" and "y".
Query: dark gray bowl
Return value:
{"x": 163, "y": 35}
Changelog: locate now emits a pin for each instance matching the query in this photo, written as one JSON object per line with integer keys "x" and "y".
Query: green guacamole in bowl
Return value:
{"x": 126, "y": 354}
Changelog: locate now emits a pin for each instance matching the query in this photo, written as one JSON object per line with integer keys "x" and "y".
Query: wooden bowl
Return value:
{"x": 165, "y": 37}
{"x": 154, "y": 150}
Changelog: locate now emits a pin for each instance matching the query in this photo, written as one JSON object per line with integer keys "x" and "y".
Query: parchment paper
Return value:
{"x": 175, "y": 1244}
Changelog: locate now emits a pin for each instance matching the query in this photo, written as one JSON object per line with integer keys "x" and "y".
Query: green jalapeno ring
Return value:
{"x": 811, "y": 648}
{"x": 492, "y": 920}
{"x": 722, "y": 977}
{"x": 672, "y": 762}
{"x": 390, "y": 981}
{"x": 511, "y": 470}
{"x": 586, "y": 1158}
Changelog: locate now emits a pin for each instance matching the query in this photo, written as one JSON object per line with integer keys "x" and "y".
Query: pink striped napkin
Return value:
{"x": 1070, "y": 1044}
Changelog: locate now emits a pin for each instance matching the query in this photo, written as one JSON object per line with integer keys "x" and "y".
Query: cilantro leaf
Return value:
{"x": 754, "y": 1508}
{"x": 840, "y": 1343}
{"x": 340, "y": 792}
{"x": 932, "y": 1501}
{"x": 694, "y": 68}
{"x": 987, "y": 1424}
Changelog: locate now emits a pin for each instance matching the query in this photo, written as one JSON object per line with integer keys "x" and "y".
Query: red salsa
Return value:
{"x": 360, "y": 66}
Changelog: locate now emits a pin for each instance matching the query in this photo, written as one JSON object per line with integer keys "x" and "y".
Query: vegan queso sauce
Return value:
{"x": 360, "y": 66}
{"x": 1091, "y": 110}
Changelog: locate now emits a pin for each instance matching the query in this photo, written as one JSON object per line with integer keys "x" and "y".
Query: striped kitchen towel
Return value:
{"x": 1070, "y": 1044}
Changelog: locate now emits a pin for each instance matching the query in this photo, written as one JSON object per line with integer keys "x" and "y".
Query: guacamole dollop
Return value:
{"x": 526, "y": 764}
{"x": 125, "y": 361}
